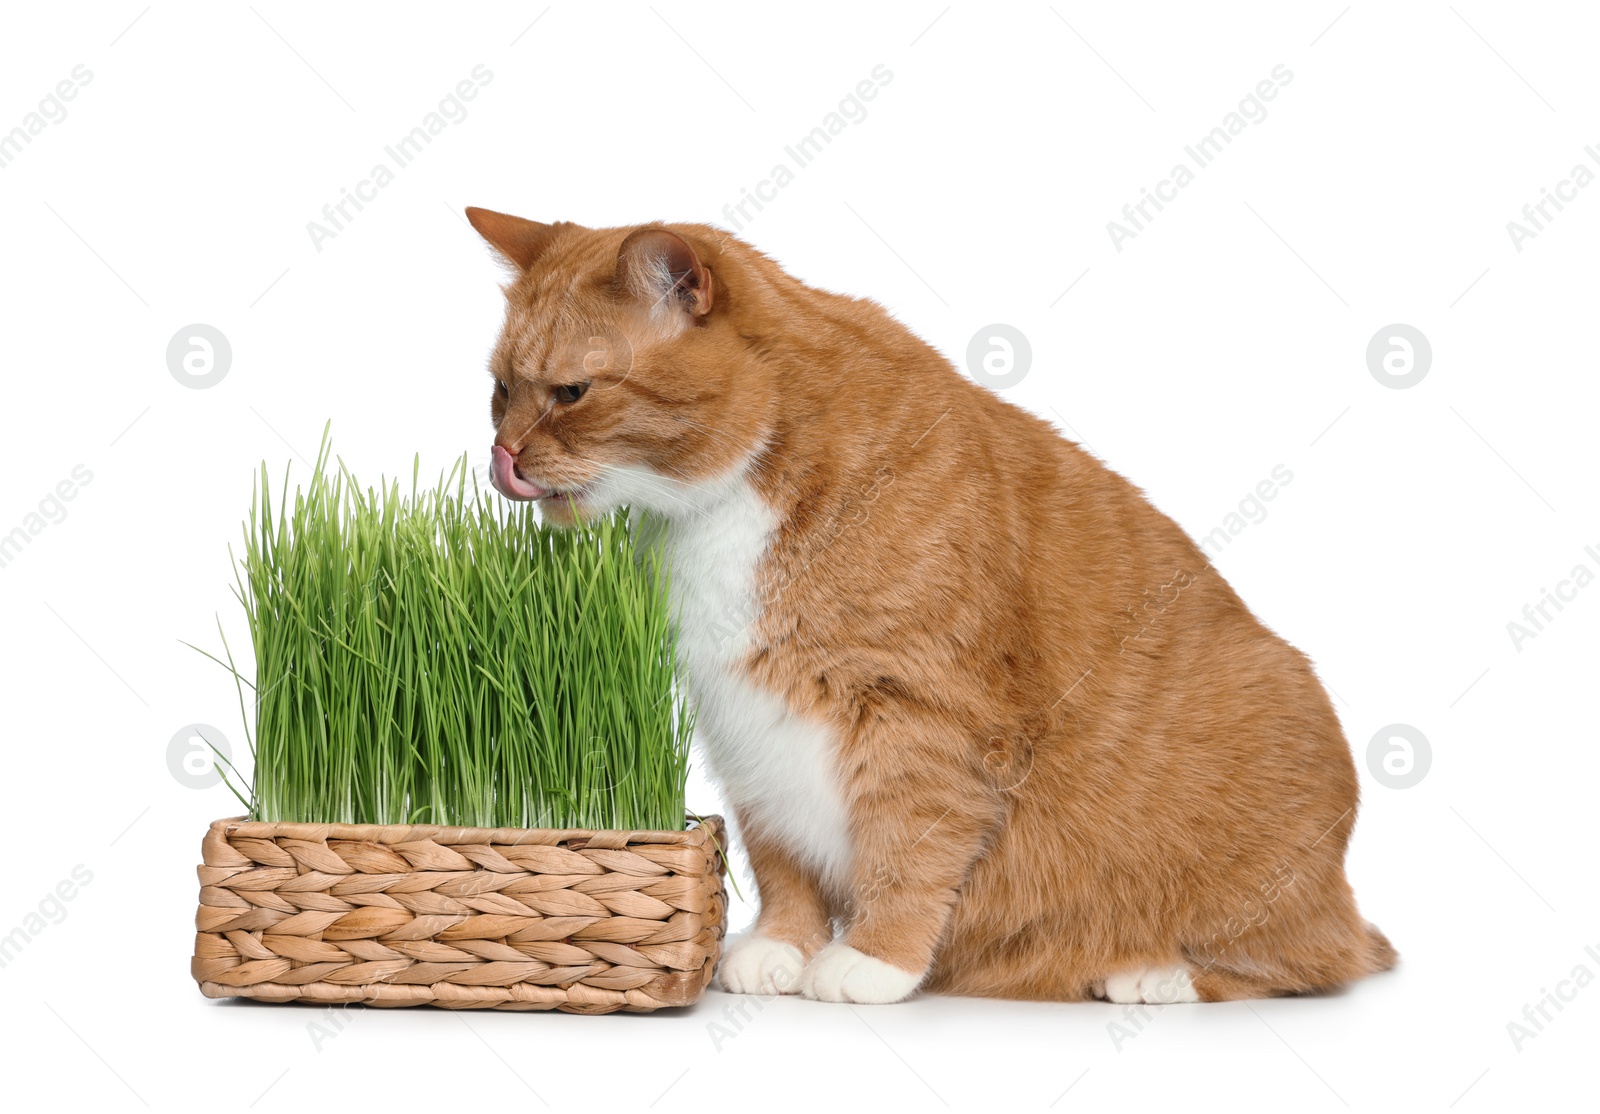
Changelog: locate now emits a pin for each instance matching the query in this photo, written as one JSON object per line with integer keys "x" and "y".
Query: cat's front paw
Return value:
{"x": 840, "y": 973}
{"x": 756, "y": 964}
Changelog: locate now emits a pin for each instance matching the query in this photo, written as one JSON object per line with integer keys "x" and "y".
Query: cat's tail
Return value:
{"x": 1380, "y": 953}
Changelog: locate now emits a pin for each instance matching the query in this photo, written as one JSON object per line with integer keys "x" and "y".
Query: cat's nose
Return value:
{"x": 507, "y": 480}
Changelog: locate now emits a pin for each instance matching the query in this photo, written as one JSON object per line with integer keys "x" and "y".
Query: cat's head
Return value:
{"x": 620, "y": 376}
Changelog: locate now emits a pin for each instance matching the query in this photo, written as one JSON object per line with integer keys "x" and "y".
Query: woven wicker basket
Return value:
{"x": 504, "y": 918}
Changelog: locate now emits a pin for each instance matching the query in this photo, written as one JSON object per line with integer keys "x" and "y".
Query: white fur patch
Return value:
{"x": 778, "y": 767}
{"x": 1151, "y": 985}
{"x": 756, "y": 964}
{"x": 840, "y": 973}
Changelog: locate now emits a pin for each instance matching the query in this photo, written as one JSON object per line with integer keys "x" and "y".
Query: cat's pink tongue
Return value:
{"x": 503, "y": 474}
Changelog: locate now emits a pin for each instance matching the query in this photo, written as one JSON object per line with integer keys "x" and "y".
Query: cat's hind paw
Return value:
{"x": 1150, "y": 985}
{"x": 756, "y": 964}
{"x": 840, "y": 973}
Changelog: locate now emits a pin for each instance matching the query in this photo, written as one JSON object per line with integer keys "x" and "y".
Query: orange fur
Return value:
{"x": 1066, "y": 747}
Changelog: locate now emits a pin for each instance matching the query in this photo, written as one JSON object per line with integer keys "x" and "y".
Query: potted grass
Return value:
{"x": 469, "y": 756}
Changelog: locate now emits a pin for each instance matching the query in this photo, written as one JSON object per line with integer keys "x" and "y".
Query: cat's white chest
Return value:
{"x": 778, "y": 767}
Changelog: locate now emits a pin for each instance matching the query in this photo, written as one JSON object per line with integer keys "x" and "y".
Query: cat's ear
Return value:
{"x": 658, "y": 265}
{"x": 520, "y": 241}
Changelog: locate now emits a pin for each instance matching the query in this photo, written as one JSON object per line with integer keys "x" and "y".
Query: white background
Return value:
{"x": 1227, "y": 338}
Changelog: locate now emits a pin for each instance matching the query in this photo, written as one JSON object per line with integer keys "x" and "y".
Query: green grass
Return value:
{"x": 440, "y": 656}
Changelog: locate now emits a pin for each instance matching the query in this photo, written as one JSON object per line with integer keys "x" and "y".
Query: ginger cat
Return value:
{"x": 989, "y": 723}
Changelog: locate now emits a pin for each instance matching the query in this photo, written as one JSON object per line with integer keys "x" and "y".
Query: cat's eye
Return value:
{"x": 569, "y": 392}
{"x": 501, "y": 390}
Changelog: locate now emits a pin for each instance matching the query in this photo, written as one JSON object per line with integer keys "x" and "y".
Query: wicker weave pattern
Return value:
{"x": 505, "y": 918}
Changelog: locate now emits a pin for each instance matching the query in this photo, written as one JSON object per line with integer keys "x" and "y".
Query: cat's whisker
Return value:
{"x": 759, "y": 461}
{"x": 650, "y": 478}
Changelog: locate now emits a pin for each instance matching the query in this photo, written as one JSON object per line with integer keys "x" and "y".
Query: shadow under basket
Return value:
{"x": 500, "y": 918}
